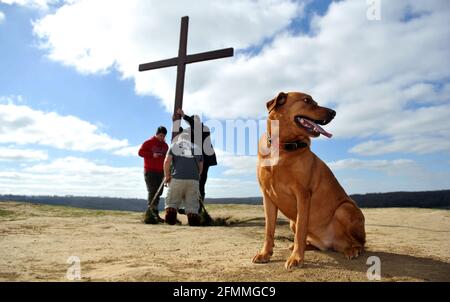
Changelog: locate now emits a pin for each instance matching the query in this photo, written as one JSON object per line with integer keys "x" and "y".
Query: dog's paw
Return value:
{"x": 293, "y": 261}
{"x": 353, "y": 252}
{"x": 261, "y": 258}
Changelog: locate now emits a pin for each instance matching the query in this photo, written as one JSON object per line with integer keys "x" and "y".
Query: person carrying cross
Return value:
{"x": 182, "y": 169}
{"x": 201, "y": 136}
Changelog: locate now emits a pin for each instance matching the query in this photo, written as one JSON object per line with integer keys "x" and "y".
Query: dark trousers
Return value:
{"x": 202, "y": 182}
{"x": 153, "y": 180}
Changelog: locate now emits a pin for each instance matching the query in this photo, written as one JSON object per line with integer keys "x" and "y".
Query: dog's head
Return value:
{"x": 299, "y": 115}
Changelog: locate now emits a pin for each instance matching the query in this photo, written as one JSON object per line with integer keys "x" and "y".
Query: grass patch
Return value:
{"x": 25, "y": 210}
{"x": 67, "y": 211}
{"x": 223, "y": 221}
{"x": 7, "y": 214}
{"x": 220, "y": 206}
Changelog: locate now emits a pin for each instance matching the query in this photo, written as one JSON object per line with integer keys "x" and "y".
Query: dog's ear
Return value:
{"x": 278, "y": 101}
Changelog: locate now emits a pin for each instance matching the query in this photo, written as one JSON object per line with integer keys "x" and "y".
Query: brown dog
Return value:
{"x": 301, "y": 186}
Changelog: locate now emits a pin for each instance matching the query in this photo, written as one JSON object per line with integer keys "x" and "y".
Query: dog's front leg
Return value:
{"x": 270, "y": 211}
{"x": 301, "y": 230}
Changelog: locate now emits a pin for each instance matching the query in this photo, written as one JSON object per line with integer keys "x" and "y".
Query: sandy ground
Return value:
{"x": 37, "y": 240}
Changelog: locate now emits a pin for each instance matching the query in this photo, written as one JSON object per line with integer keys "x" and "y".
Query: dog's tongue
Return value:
{"x": 311, "y": 125}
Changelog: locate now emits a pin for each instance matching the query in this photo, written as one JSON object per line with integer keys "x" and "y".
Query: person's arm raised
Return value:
{"x": 185, "y": 117}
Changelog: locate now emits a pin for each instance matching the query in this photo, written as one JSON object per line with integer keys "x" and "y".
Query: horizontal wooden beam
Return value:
{"x": 210, "y": 55}
{"x": 158, "y": 64}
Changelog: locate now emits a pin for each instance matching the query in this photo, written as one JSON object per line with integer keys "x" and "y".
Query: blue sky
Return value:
{"x": 74, "y": 108}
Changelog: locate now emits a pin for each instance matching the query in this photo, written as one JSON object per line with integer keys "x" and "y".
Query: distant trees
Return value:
{"x": 426, "y": 199}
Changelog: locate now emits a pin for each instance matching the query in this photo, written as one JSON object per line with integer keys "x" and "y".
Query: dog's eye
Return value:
{"x": 307, "y": 101}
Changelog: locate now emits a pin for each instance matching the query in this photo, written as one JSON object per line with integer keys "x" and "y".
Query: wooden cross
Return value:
{"x": 184, "y": 59}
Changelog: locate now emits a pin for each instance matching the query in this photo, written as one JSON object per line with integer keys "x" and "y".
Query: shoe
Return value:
{"x": 193, "y": 219}
{"x": 160, "y": 220}
{"x": 156, "y": 213}
{"x": 150, "y": 217}
{"x": 171, "y": 216}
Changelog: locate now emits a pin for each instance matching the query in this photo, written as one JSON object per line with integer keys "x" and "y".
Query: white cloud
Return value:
{"x": 78, "y": 165}
{"x": 127, "y": 151}
{"x": 397, "y": 175}
{"x": 20, "y": 124}
{"x": 11, "y": 99}
{"x": 387, "y": 166}
{"x": 74, "y": 176}
{"x": 36, "y": 4}
{"x": 236, "y": 164}
{"x": 129, "y": 33}
{"x": 420, "y": 131}
{"x": 83, "y": 177}
{"x": 406, "y": 144}
{"x": 12, "y": 154}
{"x": 369, "y": 71}
{"x": 231, "y": 187}
{"x": 2, "y": 17}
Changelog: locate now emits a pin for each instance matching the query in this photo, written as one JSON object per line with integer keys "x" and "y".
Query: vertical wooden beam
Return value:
{"x": 181, "y": 67}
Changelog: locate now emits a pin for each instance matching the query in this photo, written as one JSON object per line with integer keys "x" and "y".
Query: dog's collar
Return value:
{"x": 291, "y": 146}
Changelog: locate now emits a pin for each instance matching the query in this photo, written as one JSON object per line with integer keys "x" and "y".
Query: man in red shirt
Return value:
{"x": 154, "y": 152}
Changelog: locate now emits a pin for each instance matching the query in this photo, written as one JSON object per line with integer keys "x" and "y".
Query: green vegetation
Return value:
{"x": 212, "y": 206}
{"x": 67, "y": 211}
{"x": 6, "y": 214}
{"x": 18, "y": 210}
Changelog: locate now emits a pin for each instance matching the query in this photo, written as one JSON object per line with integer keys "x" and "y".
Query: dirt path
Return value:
{"x": 37, "y": 240}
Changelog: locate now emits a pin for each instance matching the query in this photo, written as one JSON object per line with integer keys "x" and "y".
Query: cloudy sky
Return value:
{"x": 74, "y": 109}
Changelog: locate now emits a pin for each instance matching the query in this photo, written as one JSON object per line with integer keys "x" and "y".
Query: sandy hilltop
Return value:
{"x": 38, "y": 240}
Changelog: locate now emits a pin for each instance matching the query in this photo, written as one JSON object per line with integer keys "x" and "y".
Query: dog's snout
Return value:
{"x": 332, "y": 113}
